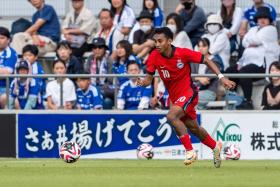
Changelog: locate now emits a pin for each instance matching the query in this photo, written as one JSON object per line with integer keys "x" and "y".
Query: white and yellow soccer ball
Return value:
{"x": 232, "y": 152}
{"x": 145, "y": 151}
{"x": 70, "y": 152}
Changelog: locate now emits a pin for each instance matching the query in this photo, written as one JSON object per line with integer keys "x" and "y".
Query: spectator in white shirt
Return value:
{"x": 53, "y": 89}
{"x": 78, "y": 25}
{"x": 124, "y": 17}
{"x": 181, "y": 39}
{"x": 261, "y": 49}
{"x": 217, "y": 35}
{"x": 232, "y": 17}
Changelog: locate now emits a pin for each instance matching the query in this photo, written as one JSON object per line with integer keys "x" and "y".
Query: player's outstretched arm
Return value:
{"x": 226, "y": 82}
{"x": 146, "y": 81}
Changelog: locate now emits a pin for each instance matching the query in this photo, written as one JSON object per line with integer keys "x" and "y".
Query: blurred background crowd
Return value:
{"x": 119, "y": 41}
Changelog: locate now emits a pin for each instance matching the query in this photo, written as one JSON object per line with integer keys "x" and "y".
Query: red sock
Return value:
{"x": 185, "y": 140}
{"x": 208, "y": 141}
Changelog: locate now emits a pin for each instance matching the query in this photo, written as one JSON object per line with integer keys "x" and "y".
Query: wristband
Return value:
{"x": 220, "y": 76}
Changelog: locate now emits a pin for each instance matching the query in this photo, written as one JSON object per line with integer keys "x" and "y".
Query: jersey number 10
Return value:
{"x": 165, "y": 74}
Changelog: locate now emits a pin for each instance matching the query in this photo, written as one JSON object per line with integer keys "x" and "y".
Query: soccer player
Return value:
{"x": 173, "y": 66}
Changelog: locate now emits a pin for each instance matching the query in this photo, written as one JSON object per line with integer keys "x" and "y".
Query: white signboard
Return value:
{"x": 257, "y": 134}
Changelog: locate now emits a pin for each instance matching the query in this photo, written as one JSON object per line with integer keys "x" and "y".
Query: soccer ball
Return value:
{"x": 70, "y": 152}
{"x": 232, "y": 152}
{"x": 145, "y": 151}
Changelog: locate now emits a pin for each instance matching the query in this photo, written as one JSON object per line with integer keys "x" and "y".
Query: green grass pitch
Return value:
{"x": 134, "y": 173}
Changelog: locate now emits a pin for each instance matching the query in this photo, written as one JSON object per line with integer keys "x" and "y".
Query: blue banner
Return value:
{"x": 40, "y": 135}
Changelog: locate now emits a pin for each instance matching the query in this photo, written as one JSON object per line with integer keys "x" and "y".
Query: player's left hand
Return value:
{"x": 228, "y": 84}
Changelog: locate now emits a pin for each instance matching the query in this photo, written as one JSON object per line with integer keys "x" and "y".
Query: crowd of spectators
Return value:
{"x": 119, "y": 42}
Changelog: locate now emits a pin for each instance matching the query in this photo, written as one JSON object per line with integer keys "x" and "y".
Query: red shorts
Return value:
{"x": 188, "y": 103}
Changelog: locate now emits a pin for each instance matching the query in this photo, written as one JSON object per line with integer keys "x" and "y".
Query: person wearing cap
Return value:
{"x": 108, "y": 30}
{"x": 124, "y": 17}
{"x": 64, "y": 53}
{"x": 8, "y": 59}
{"x": 219, "y": 42}
{"x": 24, "y": 91}
{"x": 99, "y": 63}
{"x": 44, "y": 31}
{"x": 143, "y": 41}
{"x": 78, "y": 26}
{"x": 250, "y": 13}
{"x": 158, "y": 16}
{"x": 261, "y": 49}
{"x": 194, "y": 19}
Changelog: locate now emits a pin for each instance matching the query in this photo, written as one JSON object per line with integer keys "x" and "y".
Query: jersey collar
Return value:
{"x": 172, "y": 52}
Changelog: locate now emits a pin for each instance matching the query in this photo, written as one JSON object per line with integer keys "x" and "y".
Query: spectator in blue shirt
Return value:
{"x": 24, "y": 91}
{"x": 44, "y": 32}
{"x": 30, "y": 53}
{"x": 88, "y": 97}
{"x": 153, "y": 7}
{"x": 8, "y": 59}
{"x": 124, "y": 55}
{"x": 131, "y": 96}
{"x": 250, "y": 13}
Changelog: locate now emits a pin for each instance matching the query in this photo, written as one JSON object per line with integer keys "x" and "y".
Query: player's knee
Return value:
{"x": 171, "y": 117}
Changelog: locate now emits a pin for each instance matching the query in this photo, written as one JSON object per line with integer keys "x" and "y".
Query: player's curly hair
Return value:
{"x": 166, "y": 31}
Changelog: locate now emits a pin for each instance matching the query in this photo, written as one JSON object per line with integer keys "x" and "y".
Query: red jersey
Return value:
{"x": 175, "y": 71}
